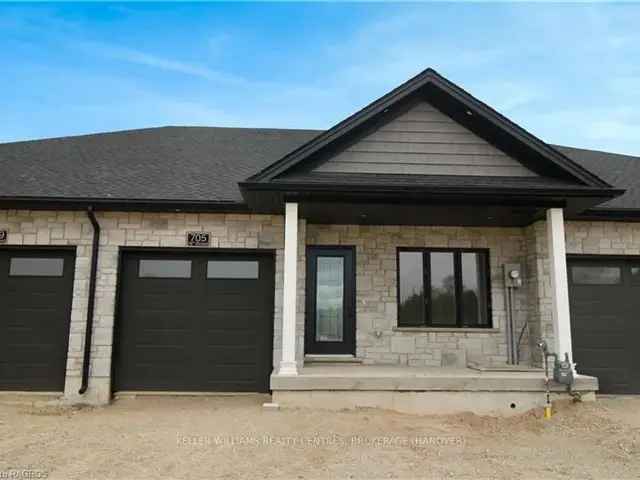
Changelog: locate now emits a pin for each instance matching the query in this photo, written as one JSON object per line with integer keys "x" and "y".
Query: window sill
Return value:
{"x": 446, "y": 329}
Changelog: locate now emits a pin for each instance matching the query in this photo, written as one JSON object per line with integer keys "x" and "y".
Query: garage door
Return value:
{"x": 36, "y": 289}
{"x": 195, "y": 322}
{"x": 605, "y": 321}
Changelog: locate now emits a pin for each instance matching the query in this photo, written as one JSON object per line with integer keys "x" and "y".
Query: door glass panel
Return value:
{"x": 635, "y": 275}
{"x": 443, "y": 289}
{"x": 330, "y": 299}
{"x": 232, "y": 269}
{"x": 411, "y": 310}
{"x": 36, "y": 267}
{"x": 474, "y": 289}
{"x": 596, "y": 275}
{"x": 165, "y": 269}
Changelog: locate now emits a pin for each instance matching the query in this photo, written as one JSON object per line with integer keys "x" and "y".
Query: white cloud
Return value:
{"x": 138, "y": 57}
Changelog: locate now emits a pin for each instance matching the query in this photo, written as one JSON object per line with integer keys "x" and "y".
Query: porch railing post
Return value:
{"x": 559, "y": 283}
{"x": 288, "y": 364}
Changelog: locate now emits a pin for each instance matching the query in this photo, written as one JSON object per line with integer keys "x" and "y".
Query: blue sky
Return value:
{"x": 568, "y": 73}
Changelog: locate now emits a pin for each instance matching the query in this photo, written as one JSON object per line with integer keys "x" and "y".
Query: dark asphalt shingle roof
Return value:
{"x": 621, "y": 171}
{"x": 167, "y": 163}
{"x": 206, "y": 164}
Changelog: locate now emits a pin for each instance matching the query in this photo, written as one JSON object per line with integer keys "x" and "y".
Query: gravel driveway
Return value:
{"x": 233, "y": 437}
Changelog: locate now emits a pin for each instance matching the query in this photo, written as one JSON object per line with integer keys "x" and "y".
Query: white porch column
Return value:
{"x": 288, "y": 363}
{"x": 559, "y": 284}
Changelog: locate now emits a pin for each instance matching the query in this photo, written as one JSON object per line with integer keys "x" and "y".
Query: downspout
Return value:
{"x": 91, "y": 301}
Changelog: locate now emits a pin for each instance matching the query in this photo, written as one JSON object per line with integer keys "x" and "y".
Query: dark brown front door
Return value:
{"x": 36, "y": 290}
{"x": 330, "y": 313}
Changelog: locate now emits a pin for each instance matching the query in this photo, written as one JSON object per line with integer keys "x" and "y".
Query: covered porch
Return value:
{"x": 423, "y": 234}
{"x": 493, "y": 368}
{"x": 372, "y": 314}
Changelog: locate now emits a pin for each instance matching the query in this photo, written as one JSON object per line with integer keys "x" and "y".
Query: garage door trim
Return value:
{"x": 122, "y": 251}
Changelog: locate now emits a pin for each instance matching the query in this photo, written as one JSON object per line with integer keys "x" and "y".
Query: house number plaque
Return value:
{"x": 198, "y": 239}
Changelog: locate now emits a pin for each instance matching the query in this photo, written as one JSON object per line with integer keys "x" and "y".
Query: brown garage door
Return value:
{"x": 195, "y": 321}
{"x": 36, "y": 290}
{"x": 605, "y": 320}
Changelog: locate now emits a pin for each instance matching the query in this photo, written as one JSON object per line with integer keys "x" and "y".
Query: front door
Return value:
{"x": 330, "y": 313}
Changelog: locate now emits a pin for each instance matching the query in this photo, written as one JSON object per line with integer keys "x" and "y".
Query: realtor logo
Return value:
{"x": 3, "y": 236}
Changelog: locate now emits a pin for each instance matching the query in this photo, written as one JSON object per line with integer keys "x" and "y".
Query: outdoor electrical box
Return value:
{"x": 513, "y": 275}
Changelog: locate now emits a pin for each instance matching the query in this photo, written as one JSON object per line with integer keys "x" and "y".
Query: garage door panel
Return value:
{"x": 227, "y": 373}
{"x": 224, "y": 325}
{"x": 163, "y": 336}
{"x": 232, "y": 319}
{"x": 600, "y": 343}
{"x": 36, "y": 291}
{"x": 598, "y": 359}
{"x": 19, "y": 300}
{"x": 239, "y": 301}
{"x": 232, "y": 339}
{"x": 37, "y": 323}
{"x": 220, "y": 336}
{"x": 232, "y": 355}
{"x": 161, "y": 320}
{"x": 604, "y": 321}
{"x": 150, "y": 377}
{"x": 24, "y": 346}
{"x": 165, "y": 355}
{"x": 156, "y": 292}
{"x": 24, "y": 374}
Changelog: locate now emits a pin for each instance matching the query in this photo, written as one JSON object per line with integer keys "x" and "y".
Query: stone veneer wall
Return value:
{"x": 593, "y": 238}
{"x": 538, "y": 288}
{"x": 603, "y": 238}
{"x": 378, "y": 341}
{"x": 142, "y": 230}
{"x": 375, "y": 283}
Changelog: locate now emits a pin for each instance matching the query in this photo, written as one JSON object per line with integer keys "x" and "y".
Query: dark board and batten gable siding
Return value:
{"x": 424, "y": 141}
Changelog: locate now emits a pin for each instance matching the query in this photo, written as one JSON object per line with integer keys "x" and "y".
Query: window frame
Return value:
{"x": 426, "y": 278}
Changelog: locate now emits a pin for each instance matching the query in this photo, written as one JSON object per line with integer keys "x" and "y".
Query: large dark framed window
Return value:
{"x": 443, "y": 288}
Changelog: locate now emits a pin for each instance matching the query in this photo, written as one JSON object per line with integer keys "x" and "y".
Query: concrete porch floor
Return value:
{"x": 420, "y": 390}
{"x": 391, "y": 377}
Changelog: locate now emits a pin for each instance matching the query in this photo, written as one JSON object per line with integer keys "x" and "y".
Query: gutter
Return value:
{"x": 91, "y": 301}
{"x": 123, "y": 204}
{"x": 316, "y": 187}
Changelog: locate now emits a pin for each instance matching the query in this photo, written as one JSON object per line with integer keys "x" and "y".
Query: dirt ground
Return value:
{"x": 233, "y": 437}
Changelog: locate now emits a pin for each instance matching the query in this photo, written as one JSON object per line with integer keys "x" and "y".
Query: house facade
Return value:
{"x": 425, "y": 233}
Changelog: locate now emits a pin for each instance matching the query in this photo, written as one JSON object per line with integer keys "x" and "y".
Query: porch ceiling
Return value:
{"x": 422, "y": 199}
{"x": 418, "y": 214}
